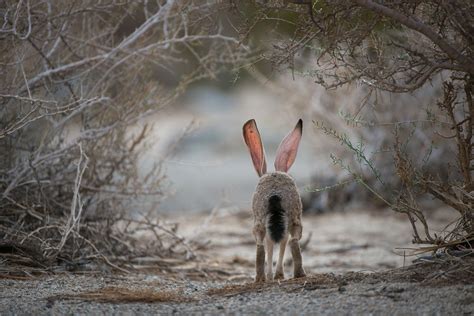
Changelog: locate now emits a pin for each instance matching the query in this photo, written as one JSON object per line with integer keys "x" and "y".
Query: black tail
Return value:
{"x": 276, "y": 220}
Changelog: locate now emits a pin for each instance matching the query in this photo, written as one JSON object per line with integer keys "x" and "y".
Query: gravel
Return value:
{"x": 340, "y": 243}
{"x": 60, "y": 294}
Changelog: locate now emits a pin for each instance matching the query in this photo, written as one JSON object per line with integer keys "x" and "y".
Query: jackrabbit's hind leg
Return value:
{"x": 279, "y": 268}
{"x": 269, "y": 246}
{"x": 296, "y": 231}
{"x": 259, "y": 233}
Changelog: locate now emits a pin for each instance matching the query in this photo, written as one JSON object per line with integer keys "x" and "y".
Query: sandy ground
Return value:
{"x": 351, "y": 260}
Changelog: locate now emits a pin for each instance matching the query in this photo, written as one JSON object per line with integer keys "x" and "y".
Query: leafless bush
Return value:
{"x": 74, "y": 77}
{"x": 390, "y": 49}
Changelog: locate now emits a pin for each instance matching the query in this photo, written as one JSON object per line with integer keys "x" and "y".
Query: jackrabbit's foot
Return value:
{"x": 260, "y": 278}
{"x": 299, "y": 273}
{"x": 279, "y": 275}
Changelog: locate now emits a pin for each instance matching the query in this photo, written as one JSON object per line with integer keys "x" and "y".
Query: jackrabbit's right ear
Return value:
{"x": 254, "y": 143}
{"x": 286, "y": 152}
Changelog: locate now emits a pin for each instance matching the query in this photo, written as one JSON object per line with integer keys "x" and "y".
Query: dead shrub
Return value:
{"x": 78, "y": 82}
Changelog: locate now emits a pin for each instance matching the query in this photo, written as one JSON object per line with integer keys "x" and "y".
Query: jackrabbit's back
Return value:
{"x": 276, "y": 184}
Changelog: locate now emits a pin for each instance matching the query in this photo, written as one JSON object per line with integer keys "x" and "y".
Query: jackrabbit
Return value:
{"x": 276, "y": 203}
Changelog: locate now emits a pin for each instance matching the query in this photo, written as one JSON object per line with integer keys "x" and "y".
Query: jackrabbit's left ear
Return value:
{"x": 286, "y": 152}
{"x": 254, "y": 143}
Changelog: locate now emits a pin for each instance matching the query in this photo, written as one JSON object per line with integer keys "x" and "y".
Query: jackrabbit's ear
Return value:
{"x": 286, "y": 152}
{"x": 254, "y": 143}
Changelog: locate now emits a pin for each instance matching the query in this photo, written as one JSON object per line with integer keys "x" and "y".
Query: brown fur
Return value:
{"x": 281, "y": 184}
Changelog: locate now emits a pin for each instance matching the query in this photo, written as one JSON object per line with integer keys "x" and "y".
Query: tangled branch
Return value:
{"x": 78, "y": 79}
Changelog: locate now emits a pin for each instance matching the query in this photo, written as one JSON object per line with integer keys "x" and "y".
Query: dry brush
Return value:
{"x": 382, "y": 54}
{"x": 77, "y": 80}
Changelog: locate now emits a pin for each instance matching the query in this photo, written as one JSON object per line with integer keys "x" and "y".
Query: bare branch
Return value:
{"x": 414, "y": 24}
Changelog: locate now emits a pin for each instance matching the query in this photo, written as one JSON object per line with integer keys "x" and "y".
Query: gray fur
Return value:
{"x": 298, "y": 271}
{"x": 260, "y": 264}
{"x": 281, "y": 184}
{"x": 278, "y": 183}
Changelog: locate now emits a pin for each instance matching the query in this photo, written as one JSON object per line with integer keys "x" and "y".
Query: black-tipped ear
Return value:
{"x": 286, "y": 152}
{"x": 254, "y": 143}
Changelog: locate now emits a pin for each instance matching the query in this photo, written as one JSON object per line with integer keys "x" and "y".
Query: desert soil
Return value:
{"x": 354, "y": 260}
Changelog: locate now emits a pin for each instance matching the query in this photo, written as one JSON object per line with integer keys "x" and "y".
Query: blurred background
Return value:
{"x": 211, "y": 165}
{"x": 117, "y": 115}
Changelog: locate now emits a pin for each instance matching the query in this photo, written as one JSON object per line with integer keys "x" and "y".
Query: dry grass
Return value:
{"x": 323, "y": 279}
{"x": 119, "y": 295}
{"x": 437, "y": 273}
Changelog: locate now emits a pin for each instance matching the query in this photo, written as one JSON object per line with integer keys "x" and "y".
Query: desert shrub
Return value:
{"x": 406, "y": 69}
{"x": 77, "y": 80}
